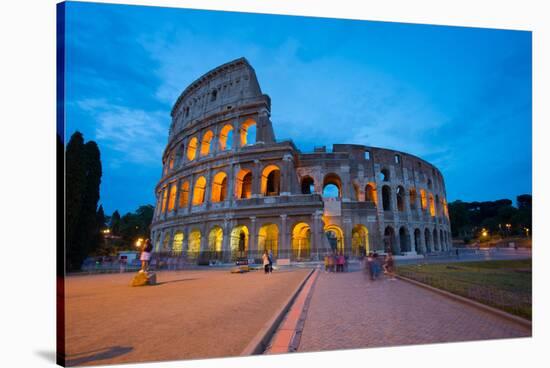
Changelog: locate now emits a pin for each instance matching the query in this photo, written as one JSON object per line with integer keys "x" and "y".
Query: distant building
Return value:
{"x": 229, "y": 189}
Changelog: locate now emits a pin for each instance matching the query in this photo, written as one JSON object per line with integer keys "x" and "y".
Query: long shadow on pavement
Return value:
{"x": 101, "y": 354}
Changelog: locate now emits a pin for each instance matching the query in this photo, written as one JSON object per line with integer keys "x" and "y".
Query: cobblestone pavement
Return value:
{"x": 348, "y": 311}
{"x": 188, "y": 315}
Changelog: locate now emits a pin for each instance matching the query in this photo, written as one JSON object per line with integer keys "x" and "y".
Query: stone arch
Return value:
{"x": 332, "y": 186}
{"x": 219, "y": 187}
{"x": 356, "y": 191}
{"x": 428, "y": 240}
{"x": 177, "y": 242}
{"x": 184, "y": 194}
{"x": 442, "y": 240}
{"x": 194, "y": 244}
{"x": 390, "y": 243}
{"x": 417, "y": 241}
{"x": 412, "y": 198}
{"x": 239, "y": 242}
{"x": 400, "y": 198}
{"x": 243, "y": 184}
{"x": 248, "y": 132}
{"x": 206, "y": 142}
{"x": 386, "y": 198}
{"x": 423, "y": 200}
{"x": 308, "y": 185}
{"x": 192, "y": 147}
{"x": 199, "y": 191}
{"x": 435, "y": 240}
{"x": 301, "y": 240}
{"x": 215, "y": 240}
{"x": 335, "y": 237}
{"x": 384, "y": 174}
{"x": 271, "y": 180}
{"x": 432, "y": 205}
{"x": 165, "y": 242}
{"x": 359, "y": 240}
{"x": 226, "y": 137}
{"x": 370, "y": 193}
{"x": 172, "y": 196}
{"x": 404, "y": 240}
{"x": 268, "y": 238}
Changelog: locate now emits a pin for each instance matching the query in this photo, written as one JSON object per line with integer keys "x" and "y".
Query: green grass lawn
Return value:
{"x": 502, "y": 284}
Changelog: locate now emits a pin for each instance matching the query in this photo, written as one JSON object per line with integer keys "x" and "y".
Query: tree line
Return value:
{"x": 500, "y": 217}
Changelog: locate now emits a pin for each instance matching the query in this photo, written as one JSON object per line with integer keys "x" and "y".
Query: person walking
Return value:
{"x": 370, "y": 266}
{"x": 270, "y": 257}
{"x": 389, "y": 266}
{"x": 265, "y": 259}
{"x": 146, "y": 255}
{"x": 340, "y": 263}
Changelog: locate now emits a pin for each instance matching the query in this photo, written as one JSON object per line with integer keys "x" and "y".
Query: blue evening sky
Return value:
{"x": 457, "y": 97}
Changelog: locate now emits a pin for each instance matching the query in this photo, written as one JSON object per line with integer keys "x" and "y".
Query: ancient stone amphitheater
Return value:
{"x": 229, "y": 189}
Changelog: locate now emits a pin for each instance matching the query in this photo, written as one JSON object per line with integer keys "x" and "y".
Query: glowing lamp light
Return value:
{"x": 484, "y": 233}
{"x": 139, "y": 242}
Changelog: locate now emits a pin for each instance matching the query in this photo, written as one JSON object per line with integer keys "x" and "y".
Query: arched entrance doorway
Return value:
{"x": 301, "y": 241}
{"x": 359, "y": 240}
{"x": 239, "y": 242}
{"x": 268, "y": 238}
{"x": 335, "y": 238}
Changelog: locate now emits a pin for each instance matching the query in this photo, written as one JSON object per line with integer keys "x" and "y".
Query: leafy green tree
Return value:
{"x": 115, "y": 223}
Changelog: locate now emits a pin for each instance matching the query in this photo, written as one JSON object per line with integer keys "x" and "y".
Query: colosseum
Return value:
{"x": 230, "y": 190}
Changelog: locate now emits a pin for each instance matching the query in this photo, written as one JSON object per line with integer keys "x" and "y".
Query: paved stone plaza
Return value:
{"x": 188, "y": 315}
{"x": 348, "y": 311}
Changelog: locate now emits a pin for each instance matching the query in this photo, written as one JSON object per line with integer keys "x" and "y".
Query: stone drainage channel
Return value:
{"x": 282, "y": 333}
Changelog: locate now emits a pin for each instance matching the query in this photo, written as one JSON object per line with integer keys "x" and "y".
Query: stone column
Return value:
{"x": 286, "y": 173}
{"x": 411, "y": 241}
{"x": 284, "y": 246}
{"x": 252, "y": 238}
{"x": 178, "y": 192}
{"x": 226, "y": 251}
{"x": 191, "y": 190}
{"x": 347, "y": 235}
{"x": 208, "y": 189}
{"x": 231, "y": 184}
{"x": 346, "y": 183}
{"x": 316, "y": 245}
{"x": 256, "y": 180}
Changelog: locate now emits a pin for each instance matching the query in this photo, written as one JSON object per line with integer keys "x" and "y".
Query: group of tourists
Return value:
{"x": 335, "y": 262}
{"x": 375, "y": 265}
{"x": 267, "y": 259}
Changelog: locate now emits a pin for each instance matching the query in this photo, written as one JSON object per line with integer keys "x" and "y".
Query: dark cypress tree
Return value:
{"x": 75, "y": 182}
{"x": 115, "y": 223}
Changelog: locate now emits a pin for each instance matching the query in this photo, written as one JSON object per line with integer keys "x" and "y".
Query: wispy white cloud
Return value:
{"x": 135, "y": 135}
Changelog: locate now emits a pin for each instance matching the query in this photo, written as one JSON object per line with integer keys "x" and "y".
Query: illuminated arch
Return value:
{"x": 219, "y": 187}
{"x": 335, "y": 237}
{"x": 194, "y": 246}
{"x": 184, "y": 195}
{"x": 370, "y": 193}
{"x": 359, "y": 240}
{"x": 199, "y": 190}
{"x": 400, "y": 198}
{"x": 271, "y": 180}
{"x": 423, "y": 200}
{"x": 268, "y": 238}
{"x": 248, "y": 132}
{"x": 243, "y": 184}
{"x": 192, "y": 148}
{"x": 432, "y": 205}
{"x": 206, "y": 141}
{"x": 239, "y": 241}
{"x": 226, "y": 137}
{"x": 166, "y": 242}
{"x": 332, "y": 186}
{"x": 301, "y": 240}
{"x": 215, "y": 239}
{"x": 172, "y": 196}
{"x": 177, "y": 242}
{"x": 412, "y": 198}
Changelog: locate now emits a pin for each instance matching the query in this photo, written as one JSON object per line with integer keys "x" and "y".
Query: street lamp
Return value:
{"x": 139, "y": 242}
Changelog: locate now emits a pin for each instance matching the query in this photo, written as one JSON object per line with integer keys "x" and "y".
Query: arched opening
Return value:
{"x": 248, "y": 132}
{"x": 332, "y": 186}
{"x": 400, "y": 196}
{"x": 435, "y": 240}
{"x": 180, "y": 154}
{"x": 171, "y": 161}
{"x": 205, "y": 144}
{"x": 412, "y": 198}
{"x": 268, "y": 238}
{"x": 442, "y": 240}
{"x": 389, "y": 240}
{"x": 356, "y": 192}
{"x": 335, "y": 237}
{"x": 172, "y": 196}
{"x": 192, "y": 148}
{"x": 370, "y": 193}
{"x": 177, "y": 243}
{"x": 384, "y": 175}
{"x": 164, "y": 199}
{"x": 243, "y": 185}
{"x": 301, "y": 241}
{"x": 308, "y": 186}
{"x": 432, "y": 205}
{"x": 271, "y": 180}
{"x": 386, "y": 198}
{"x": 417, "y": 241}
{"x": 219, "y": 187}
{"x": 423, "y": 200}
{"x": 199, "y": 190}
{"x": 194, "y": 246}
{"x": 213, "y": 95}
{"x": 215, "y": 241}
{"x": 430, "y": 184}
{"x": 239, "y": 242}
{"x": 184, "y": 195}
{"x": 428, "y": 240}
{"x": 166, "y": 243}
{"x": 226, "y": 137}
{"x": 359, "y": 241}
{"x": 404, "y": 240}
{"x": 157, "y": 243}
